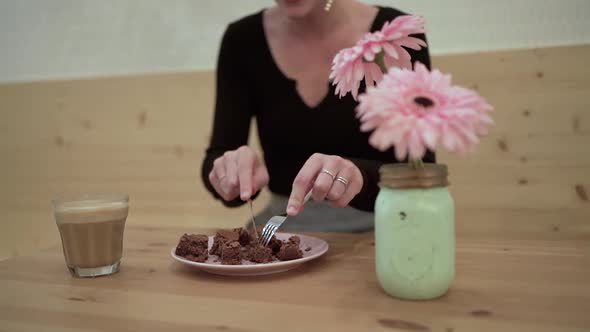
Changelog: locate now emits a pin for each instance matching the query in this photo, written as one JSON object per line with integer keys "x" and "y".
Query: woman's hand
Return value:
{"x": 331, "y": 177}
{"x": 238, "y": 173}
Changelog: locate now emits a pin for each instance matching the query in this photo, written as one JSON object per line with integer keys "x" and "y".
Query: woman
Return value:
{"x": 274, "y": 66}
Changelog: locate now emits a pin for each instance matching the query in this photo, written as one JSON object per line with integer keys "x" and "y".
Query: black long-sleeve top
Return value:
{"x": 249, "y": 84}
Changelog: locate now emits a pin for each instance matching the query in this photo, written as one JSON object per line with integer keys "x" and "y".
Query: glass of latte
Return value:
{"x": 91, "y": 229}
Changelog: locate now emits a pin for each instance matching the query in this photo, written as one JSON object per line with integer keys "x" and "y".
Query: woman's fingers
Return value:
{"x": 230, "y": 184}
{"x": 219, "y": 170}
{"x": 246, "y": 161}
{"x": 341, "y": 183}
{"x": 355, "y": 184}
{"x": 260, "y": 177}
{"x": 326, "y": 176}
{"x": 303, "y": 183}
{"x": 217, "y": 185}
{"x": 331, "y": 177}
{"x": 238, "y": 173}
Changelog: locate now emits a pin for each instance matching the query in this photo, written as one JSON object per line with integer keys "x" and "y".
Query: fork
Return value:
{"x": 273, "y": 224}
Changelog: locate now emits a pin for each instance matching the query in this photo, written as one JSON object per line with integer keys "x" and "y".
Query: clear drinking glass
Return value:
{"x": 91, "y": 229}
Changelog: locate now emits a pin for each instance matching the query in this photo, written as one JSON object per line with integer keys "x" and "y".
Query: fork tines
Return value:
{"x": 271, "y": 228}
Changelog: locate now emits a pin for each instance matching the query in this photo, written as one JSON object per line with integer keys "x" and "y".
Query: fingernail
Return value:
{"x": 245, "y": 195}
{"x": 291, "y": 210}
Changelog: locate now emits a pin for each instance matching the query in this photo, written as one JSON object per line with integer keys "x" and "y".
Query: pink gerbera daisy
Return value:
{"x": 419, "y": 110}
{"x": 349, "y": 69}
{"x": 351, "y": 65}
{"x": 396, "y": 36}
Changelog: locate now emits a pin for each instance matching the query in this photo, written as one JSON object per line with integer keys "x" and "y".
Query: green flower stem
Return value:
{"x": 416, "y": 164}
{"x": 380, "y": 61}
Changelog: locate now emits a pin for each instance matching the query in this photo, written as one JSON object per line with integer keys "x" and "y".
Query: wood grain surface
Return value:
{"x": 502, "y": 284}
{"x": 145, "y": 136}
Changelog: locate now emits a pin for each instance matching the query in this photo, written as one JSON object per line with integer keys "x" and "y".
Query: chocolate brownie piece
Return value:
{"x": 260, "y": 254}
{"x": 289, "y": 251}
{"x": 275, "y": 244}
{"x": 200, "y": 255}
{"x": 231, "y": 253}
{"x": 254, "y": 235}
{"x": 259, "y": 229}
{"x": 184, "y": 246}
{"x": 221, "y": 237}
{"x": 243, "y": 236}
{"x": 191, "y": 244}
{"x": 247, "y": 252}
{"x": 295, "y": 240}
{"x": 216, "y": 246}
{"x": 202, "y": 241}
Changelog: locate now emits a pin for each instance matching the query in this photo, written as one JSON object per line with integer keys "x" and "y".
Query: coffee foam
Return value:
{"x": 88, "y": 211}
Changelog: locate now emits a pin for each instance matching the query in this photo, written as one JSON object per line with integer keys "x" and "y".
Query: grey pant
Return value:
{"x": 318, "y": 217}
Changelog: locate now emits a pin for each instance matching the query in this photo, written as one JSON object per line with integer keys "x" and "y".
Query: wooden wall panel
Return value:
{"x": 145, "y": 135}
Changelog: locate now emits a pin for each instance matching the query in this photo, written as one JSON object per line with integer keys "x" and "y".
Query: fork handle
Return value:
{"x": 307, "y": 196}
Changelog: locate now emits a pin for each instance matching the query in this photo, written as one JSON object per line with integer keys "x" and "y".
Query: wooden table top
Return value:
{"x": 501, "y": 285}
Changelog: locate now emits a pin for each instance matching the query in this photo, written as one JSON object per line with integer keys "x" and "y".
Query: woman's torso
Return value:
{"x": 289, "y": 129}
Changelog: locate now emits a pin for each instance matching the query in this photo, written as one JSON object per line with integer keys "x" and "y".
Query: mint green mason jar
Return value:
{"x": 414, "y": 232}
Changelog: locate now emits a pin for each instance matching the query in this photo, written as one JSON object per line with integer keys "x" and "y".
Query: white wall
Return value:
{"x": 48, "y": 39}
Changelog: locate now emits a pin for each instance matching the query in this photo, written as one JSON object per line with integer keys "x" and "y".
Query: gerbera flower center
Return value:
{"x": 423, "y": 102}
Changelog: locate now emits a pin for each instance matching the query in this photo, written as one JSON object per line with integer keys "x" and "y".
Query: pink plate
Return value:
{"x": 318, "y": 248}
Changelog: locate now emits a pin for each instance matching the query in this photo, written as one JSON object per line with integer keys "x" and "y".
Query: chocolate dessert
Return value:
{"x": 221, "y": 237}
{"x": 231, "y": 247}
{"x": 243, "y": 236}
{"x": 289, "y": 251}
{"x": 275, "y": 244}
{"x": 260, "y": 254}
{"x": 295, "y": 240}
{"x": 200, "y": 256}
{"x": 231, "y": 253}
{"x": 193, "y": 247}
{"x": 247, "y": 253}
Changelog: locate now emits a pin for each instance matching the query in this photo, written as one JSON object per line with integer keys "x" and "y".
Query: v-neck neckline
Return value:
{"x": 292, "y": 82}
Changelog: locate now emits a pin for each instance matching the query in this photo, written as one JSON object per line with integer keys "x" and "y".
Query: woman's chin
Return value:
{"x": 297, "y": 8}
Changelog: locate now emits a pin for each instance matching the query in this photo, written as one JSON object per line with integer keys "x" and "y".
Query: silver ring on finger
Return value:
{"x": 342, "y": 180}
{"x": 325, "y": 171}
